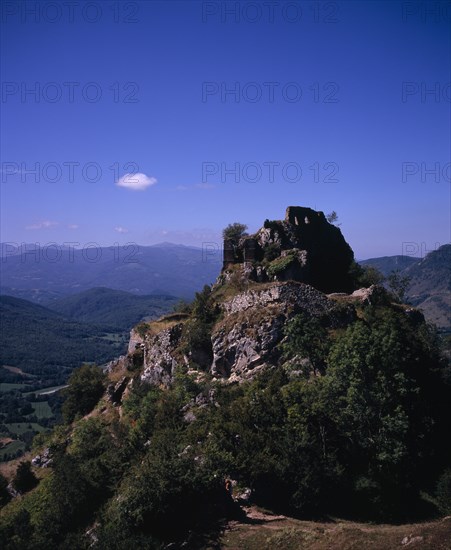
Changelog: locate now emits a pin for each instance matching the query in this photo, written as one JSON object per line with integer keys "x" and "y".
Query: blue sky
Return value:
{"x": 339, "y": 106}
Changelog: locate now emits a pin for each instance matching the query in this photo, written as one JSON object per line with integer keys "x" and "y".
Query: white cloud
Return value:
{"x": 46, "y": 224}
{"x": 73, "y": 226}
{"x": 136, "y": 182}
{"x": 121, "y": 229}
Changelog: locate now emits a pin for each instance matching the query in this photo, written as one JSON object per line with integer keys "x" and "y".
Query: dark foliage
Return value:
{"x": 86, "y": 386}
{"x": 24, "y": 480}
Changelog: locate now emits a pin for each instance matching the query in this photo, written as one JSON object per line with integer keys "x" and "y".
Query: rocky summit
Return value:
{"x": 300, "y": 265}
{"x": 303, "y": 247}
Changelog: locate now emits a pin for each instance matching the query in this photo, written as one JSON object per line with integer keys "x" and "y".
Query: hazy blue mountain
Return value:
{"x": 387, "y": 264}
{"x": 115, "y": 308}
{"x": 56, "y": 272}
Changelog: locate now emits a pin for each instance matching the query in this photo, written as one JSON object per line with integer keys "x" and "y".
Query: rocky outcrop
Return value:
{"x": 304, "y": 247}
{"x": 43, "y": 460}
{"x": 119, "y": 363}
{"x": 160, "y": 359}
{"x": 375, "y": 295}
{"x": 247, "y": 337}
{"x": 297, "y": 260}
{"x": 116, "y": 391}
{"x": 246, "y": 341}
{"x": 136, "y": 340}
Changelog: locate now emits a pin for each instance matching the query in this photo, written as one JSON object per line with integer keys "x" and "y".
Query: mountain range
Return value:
{"x": 72, "y": 285}
{"x": 43, "y": 274}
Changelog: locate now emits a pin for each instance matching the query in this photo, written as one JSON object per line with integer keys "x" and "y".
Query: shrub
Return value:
{"x": 280, "y": 264}
{"x": 142, "y": 329}
{"x": 272, "y": 251}
{"x": 24, "y": 480}
{"x": 443, "y": 493}
{"x": 234, "y": 232}
{"x": 86, "y": 386}
{"x": 137, "y": 360}
{"x": 4, "y": 495}
{"x": 370, "y": 276}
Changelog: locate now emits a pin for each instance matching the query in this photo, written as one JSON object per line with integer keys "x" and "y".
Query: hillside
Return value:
{"x": 387, "y": 264}
{"x": 267, "y": 401}
{"x": 39, "y": 340}
{"x": 261, "y": 530}
{"x": 38, "y": 350}
{"x": 161, "y": 269}
{"x": 430, "y": 282}
{"x": 114, "y": 308}
{"x": 430, "y": 286}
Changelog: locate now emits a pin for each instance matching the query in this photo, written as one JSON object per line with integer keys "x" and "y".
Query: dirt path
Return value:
{"x": 265, "y": 531}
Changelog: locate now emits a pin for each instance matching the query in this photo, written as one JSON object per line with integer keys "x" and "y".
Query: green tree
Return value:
{"x": 61, "y": 504}
{"x": 4, "y": 495}
{"x": 234, "y": 232}
{"x": 203, "y": 308}
{"x": 86, "y": 386}
{"x": 443, "y": 492}
{"x": 168, "y": 493}
{"x": 398, "y": 284}
{"x": 370, "y": 276}
{"x": 332, "y": 217}
{"x": 24, "y": 480}
{"x": 383, "y": 392}
{"x": 306, "y": 338}
{"x": 312, "y": 446}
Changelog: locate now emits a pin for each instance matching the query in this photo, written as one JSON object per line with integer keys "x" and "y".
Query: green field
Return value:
{"x": 42, "y": 409}
{"x": 12, "y": 448}
{"x": 5, "y": 386}
{"x": 22, "y": 427}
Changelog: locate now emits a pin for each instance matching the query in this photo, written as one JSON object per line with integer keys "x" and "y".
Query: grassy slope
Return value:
{"x": 263, "y": 531}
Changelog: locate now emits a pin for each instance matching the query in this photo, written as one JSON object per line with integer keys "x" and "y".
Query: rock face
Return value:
{"x": 160, "y": 360}
{"x": 246, "y": 338}
{"x": 44, "y": 460}
{"x": 116, "y": 391}
{"x": 304, "y": 247}
{"x": 135, "y": 341}
{"x": 246, "y": 341}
